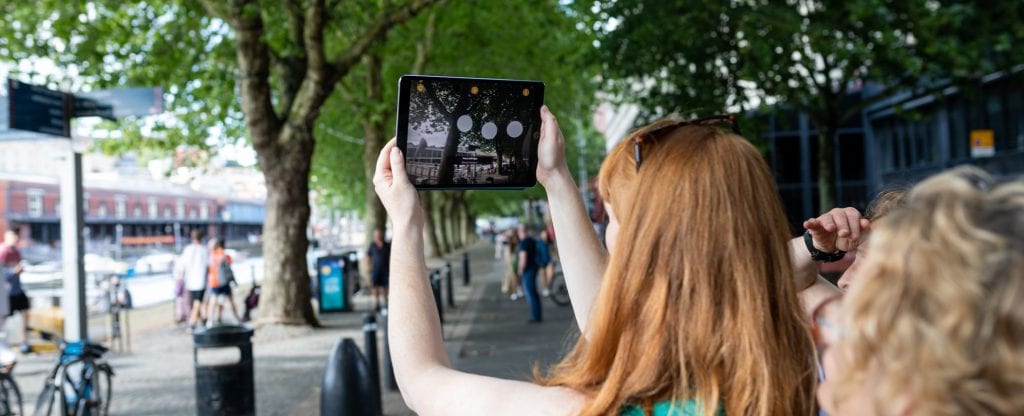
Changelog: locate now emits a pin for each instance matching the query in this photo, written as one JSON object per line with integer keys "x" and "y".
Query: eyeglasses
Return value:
{"x": 825, "y": 326}
{"x": 729, "y": 119}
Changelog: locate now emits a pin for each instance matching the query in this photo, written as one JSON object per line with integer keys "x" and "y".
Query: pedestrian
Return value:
{"x": 933, "y": 323}
{"x": 499, "y": 245}
{"x": 220, "y": 279}
{"x": 692, "y": 310}
{"x": 192, "y": 269}
{"x": 545, "y": 248}
{"x": 529, "y": 266}
{"x": 380, "y": 261}
{"x": 510, "y": 283}
{"x": 17, "y": 301}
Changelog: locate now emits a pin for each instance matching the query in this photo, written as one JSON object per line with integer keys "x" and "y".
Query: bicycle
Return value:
{"x": 557, "y": 291}
{"x": 10, "y": 394}
{"x": 79, "y": 383}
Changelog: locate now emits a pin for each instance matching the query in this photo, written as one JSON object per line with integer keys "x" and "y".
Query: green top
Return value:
{"x": 679, "y": 408}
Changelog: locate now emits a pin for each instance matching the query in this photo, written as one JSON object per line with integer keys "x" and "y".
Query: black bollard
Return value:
{"x": 448, "y": 285}
{"x": 370, "y": 346}
{"x": 388, "y": 372}
{"x": 435, "y": 286}
{"x": 465, "y": 269}
{"x": 347, "y": 390}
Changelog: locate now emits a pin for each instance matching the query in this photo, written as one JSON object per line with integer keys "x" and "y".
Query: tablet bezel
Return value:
{"x": 402, "y": 126}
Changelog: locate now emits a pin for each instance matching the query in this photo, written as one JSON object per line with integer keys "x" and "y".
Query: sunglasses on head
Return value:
{"x": 726, "y": 119}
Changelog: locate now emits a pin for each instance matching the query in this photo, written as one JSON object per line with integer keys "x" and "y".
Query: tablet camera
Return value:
{"x": 489, "y": 130}
{"x": 514, "y": 129}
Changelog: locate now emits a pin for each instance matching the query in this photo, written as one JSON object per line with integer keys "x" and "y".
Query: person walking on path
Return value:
{"x": 528, "y": 268}
{"x": 380, "y": 259}
{"x": 193, "y": 266}
{"x": 17, "y": 301}
{"x": 510, "y": 284}
{"x": 219, "y": 282}
{"x": 545, "y": 248}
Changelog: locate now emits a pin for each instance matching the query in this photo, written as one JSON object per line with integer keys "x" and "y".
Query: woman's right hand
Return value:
{"x": 551, "y": 165}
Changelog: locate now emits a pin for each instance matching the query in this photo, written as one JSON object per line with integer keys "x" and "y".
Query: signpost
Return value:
{"x": 39, "y": 109}
{"x": 33, "y": 108}
{"x": 127, "y": 102}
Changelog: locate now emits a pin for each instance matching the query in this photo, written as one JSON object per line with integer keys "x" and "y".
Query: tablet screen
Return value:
{"x": 464, "y": 133}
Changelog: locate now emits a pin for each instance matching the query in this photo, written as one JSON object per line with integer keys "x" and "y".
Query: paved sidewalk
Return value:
{"x": 486, "y": 334}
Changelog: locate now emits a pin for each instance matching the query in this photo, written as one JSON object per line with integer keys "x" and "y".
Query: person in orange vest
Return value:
{"x": 220, "y": 279}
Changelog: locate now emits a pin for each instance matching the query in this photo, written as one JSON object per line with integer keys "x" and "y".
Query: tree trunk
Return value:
{"x": 826, "y": 167}
{"x": 442, "y": 208}
{"x": 374, "y": 130}
{"x": 432, "y": 247}
{"x": 286, "y": 292}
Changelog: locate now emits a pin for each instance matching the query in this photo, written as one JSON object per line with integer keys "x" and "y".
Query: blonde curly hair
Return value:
{"x": 937, "y": 326}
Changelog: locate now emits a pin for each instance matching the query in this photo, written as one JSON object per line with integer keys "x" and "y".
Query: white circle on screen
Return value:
{"x": 489, "y": 131}
{"x": 464, "y": 123}
{"x": 514, "y": 129}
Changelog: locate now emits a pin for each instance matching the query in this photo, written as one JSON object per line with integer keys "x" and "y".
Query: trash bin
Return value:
{"x": 333, "y": 285}
{"x": 224, "y": 377}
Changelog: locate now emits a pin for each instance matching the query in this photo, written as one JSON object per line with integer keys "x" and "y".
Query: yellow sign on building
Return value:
{"x": 983, "y": 143}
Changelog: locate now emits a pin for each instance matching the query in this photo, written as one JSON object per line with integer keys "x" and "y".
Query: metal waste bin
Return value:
{"x": 224, "y": 377}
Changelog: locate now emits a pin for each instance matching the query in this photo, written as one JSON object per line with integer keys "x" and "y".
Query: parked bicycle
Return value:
{"x": 557, "y": 291}
{"x": 10, "y": 394}
{"x": 79, "y": 384}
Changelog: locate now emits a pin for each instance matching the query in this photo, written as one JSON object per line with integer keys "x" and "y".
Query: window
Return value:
{"x": 120, "y": 208}
{"x": 167, "y": 212}
{"x": 35, "y": 202}
{"x": 153, "y": 207}
{"x": 180, "y": 208}
{"x": 1014, "y": 108}
{"x": 137, "y": 212}
{"x": 996, "y": 122}
{"x": 101, "y": 210}
{"x": 193, "y": 213}
{"x": 958, "y": 137}
{"x": 204, "y": 210}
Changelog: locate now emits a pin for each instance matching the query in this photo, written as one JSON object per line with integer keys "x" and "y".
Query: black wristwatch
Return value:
{"x": 819, "y": 255}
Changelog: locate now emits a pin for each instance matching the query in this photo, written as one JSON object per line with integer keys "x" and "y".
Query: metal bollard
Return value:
{"x": 448, "y": 285}
{"x": 370, "y": 346}
{"x": 435, "y": 286}
{"x": 465, "y": 269}
{"x": 347, "y": 390}
{"x": 388, "y": 374}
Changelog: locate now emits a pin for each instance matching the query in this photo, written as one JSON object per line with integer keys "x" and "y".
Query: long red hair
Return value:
{"x": 698, "y": 300}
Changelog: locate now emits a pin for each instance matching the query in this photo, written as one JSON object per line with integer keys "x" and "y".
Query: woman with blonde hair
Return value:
{"x": 691, "y": 311}
{"x": 934, "y": 325}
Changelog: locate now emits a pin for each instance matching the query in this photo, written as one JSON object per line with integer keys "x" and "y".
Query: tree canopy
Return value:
{"x": 704, "y": 56}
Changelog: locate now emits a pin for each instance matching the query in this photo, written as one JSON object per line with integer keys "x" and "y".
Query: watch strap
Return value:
{"x": 819, "y": 255}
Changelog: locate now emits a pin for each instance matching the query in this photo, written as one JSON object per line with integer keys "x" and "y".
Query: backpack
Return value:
{"x": 543, "y": 253}
{"x": 225, "y": 276}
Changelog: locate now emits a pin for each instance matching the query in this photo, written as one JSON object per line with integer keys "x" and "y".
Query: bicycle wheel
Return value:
{"x": 44, "y": 403}
{"x": 11, "y": 396}
{"x": 559, "y": 293}
{"x": 102, "y": 390}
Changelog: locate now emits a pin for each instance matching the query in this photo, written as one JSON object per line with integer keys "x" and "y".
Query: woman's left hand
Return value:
{"x": 395, "y": 190}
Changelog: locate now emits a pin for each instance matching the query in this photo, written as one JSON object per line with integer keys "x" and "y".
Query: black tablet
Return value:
{"x": 469, "y": 133}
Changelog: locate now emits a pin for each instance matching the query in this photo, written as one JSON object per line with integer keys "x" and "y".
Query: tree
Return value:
{"x": 283, "y": 74}
{"x": 466, "y": 38}
{"x": 704, "y": 56}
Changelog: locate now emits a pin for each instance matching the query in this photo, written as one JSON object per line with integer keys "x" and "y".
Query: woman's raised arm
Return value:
{"x": 583, "y": 257}
{"x": 428, "y": 383}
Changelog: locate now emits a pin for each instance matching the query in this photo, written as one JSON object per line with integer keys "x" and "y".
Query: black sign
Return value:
{"x": 39, "y": 109}
{"x": 87, "y": 107}
{"x": 124, "y": 102}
